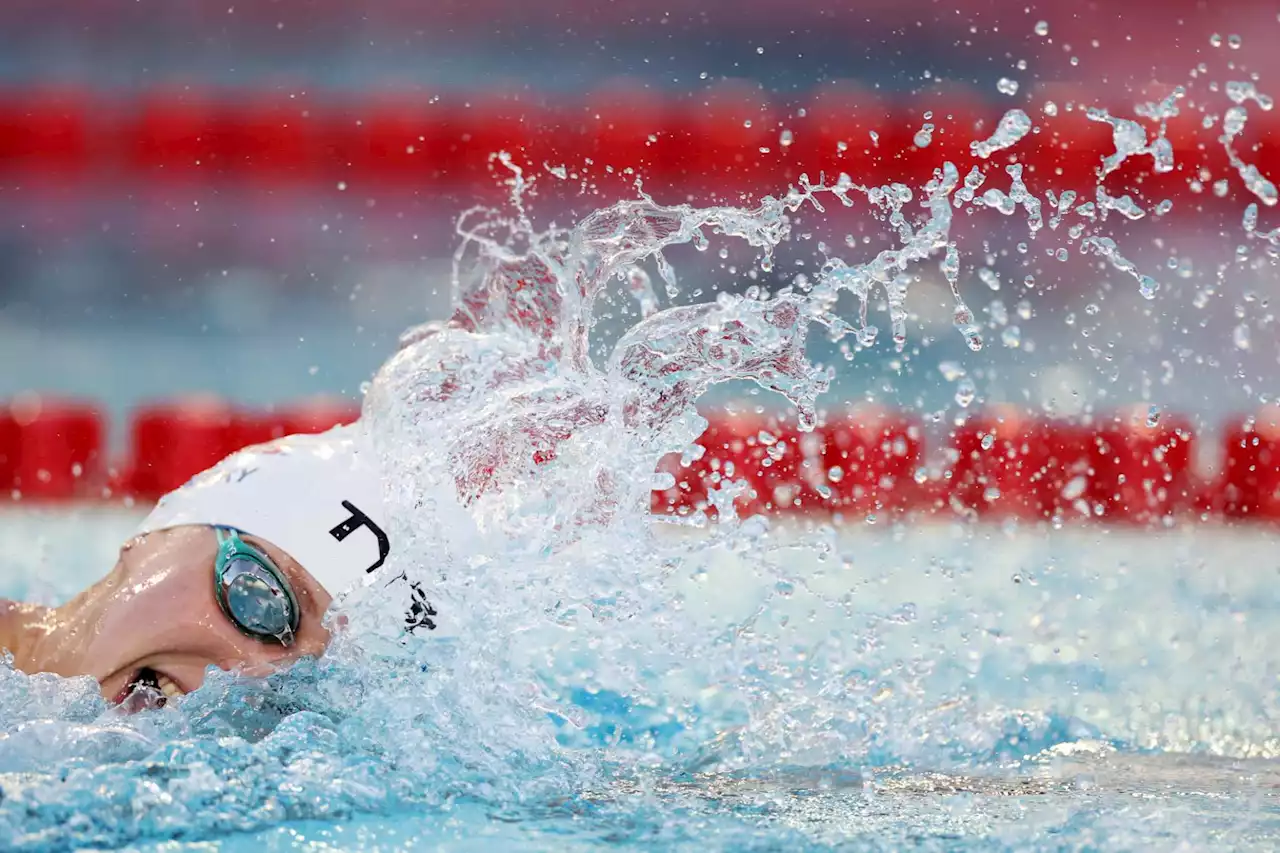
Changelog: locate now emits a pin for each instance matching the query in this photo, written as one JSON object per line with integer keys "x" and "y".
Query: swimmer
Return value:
{"x": 236, "y": 570}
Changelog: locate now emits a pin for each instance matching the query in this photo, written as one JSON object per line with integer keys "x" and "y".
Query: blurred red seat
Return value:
{"x": 1010, "y": 464}
{"x": 58, "y": 446}
{"x": 318, "y": 415}
{"x": 45, "y": 132}
{"x": 172, "y": 442}
{"x": 835, "y": 135}
{"x": 629, "y": 127}
{"x": 173, "y": 135}
{"x": 958, "y": 115}
{"x": 869, "y": 461}
{"x": 727, "y": 125}
{"x": 1249, "y": 486}
{"x": 268, "y": 137}
{"x": 9, "y": 450}
{"x": 383, "y": 139}
{"x": 1142, "y": 474}
{"x": 1068, "y": 151}
{"x": 471, "y": 133}
{"x": 779, "y": 466}
{"x": 258, "y": 426}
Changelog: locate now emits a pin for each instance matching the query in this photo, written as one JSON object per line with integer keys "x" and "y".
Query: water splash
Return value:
{"x": 520, "y": 467}
{"x": 1013, "y": 126}
{"x": 924, "y": 136}
{"x": 1106, "y": 247}
{"x": 1240, "y": 91}
{"x": 1233, "y": 124}
{"x": 1130, "y": 140}
{"x": 1250, "y": 224}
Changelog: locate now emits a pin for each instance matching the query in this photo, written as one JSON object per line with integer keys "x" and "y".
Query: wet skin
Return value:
{"x": 155, "y": 611}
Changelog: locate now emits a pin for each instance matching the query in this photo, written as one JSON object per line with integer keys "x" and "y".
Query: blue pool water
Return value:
{"x": 1072, "y": 689}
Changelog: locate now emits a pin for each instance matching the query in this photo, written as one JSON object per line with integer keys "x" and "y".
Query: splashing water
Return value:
{"x": 1012, "y": 128}
{"x": 572, "y": 656}
{"x": 1233, "y": 125}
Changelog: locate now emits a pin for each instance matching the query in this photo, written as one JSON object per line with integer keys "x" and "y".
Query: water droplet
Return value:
{"x": 1234, "y": 42}
{"x": 1005, "y": 86}
{"x": 1075, "y": 487}
{"x": 1011, "y": 337}
{"x": 988, "y": 441}
{"x": 1153, "y": 416}
{"x": 924, "y": 136}
{"x": 1240, "y": 337}
{"x": 951, "y": 370}
{"x": 1013, "y": 126}
{"x": 1240, "y": 91}
{"x": 1042, "y": 28}
{"x": 999, "y": 314}
{"x": 965, "y": 392}
{"x": 1050, "y": 108}
{"x": 785, "y": 138}
{"x": 1215, "y": 40}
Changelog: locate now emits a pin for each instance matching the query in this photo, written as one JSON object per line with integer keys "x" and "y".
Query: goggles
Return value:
{"x": 252, "y": 591}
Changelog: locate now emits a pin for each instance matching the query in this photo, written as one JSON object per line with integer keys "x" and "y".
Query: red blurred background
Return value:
{"x": 215, "y": 218}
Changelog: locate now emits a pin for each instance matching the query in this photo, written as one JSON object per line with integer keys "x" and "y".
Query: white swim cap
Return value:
{"x": 318, "y": 498}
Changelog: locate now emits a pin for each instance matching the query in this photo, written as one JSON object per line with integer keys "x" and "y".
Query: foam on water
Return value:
{"x": 586, "y": 651}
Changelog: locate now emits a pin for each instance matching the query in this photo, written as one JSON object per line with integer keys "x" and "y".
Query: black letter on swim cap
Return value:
{"x": 357, "y": 520}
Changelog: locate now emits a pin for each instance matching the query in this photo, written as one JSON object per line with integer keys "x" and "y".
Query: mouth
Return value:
{"x": 148, "y": 688}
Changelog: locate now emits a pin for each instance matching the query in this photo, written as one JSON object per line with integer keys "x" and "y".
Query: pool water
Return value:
{"x": 1070, "y": 689}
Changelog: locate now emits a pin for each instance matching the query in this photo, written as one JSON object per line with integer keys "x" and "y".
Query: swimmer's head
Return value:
{"x": 236, "y": 569}
{"x": 318, "y": 498}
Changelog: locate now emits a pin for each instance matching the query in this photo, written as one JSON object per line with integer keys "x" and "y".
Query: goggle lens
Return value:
{"x": 252, "y": 592}
{"x": 255, "y": 601}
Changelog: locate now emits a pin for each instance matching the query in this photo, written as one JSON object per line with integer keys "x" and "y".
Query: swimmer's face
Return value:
{"x": 155, "y": 621}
